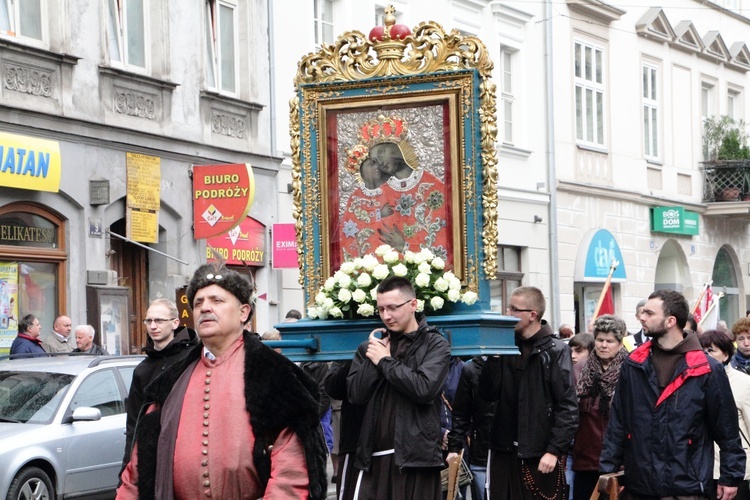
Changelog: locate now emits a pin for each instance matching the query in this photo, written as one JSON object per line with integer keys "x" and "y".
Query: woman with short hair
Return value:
{"x": 595, "y": 387}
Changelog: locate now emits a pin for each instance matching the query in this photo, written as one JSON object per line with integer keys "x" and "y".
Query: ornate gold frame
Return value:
{"x": 383, "y": 69}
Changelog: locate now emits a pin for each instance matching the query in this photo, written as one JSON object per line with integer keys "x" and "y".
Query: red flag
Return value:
{"x": 608, "y": 304}
{"x": 703, "y": 305}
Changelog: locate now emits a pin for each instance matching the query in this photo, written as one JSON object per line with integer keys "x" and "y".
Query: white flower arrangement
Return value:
{"x": 352, "y": 290}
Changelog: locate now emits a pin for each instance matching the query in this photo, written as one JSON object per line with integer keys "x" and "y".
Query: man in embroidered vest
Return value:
{"x": 671, "y": 403}
{"x": 399, "y": 377}
{"x": 59, "y": 340}
{"x": 537, "y": 409}
{"x": 233, "y": 419}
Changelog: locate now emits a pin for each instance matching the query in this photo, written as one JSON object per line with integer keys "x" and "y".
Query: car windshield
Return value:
{"x": 31, "y": 397}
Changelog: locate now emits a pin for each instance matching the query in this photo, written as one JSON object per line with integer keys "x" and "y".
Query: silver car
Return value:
{"x": 62, "y": 425}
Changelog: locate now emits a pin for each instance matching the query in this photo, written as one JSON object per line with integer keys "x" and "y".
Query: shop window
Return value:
{"x": 32, "y": 266}
{"x": 509, "y": 276}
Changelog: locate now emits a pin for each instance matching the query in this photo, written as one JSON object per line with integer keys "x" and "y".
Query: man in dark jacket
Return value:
{"x": 537, "y": 410}
{"x": 84, "y": 335}
{"x": 399, "y": 376}
{"x": 472, "y": 422}
{"x": 671, "y": 403}
{"x": 167, "y": 343}
{"x": 27, "y": 343}
{"x": 351, "y": 424}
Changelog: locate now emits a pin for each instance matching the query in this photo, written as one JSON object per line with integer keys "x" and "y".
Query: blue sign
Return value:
{"x": 599, "y": 254}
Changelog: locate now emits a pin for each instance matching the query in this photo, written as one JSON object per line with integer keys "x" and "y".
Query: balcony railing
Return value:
{"x": 726, "y": 180}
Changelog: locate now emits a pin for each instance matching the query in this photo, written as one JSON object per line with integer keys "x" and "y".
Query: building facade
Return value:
{"x": 108, "y": 86}
{"x": 601, "y": 143}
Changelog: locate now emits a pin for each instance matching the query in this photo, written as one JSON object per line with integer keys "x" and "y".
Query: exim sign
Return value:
{"x": 674, "y": 220}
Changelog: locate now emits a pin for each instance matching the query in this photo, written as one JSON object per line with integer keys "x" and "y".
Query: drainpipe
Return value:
{"x": 554, "y": 267}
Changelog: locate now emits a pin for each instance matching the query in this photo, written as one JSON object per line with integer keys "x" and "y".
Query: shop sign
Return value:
{"x": 284, "y": 246}
{"x": 143, "y": 197}
{"x": 244, "y": 244}
{"x": 598, "y": 249}
{"x": 29, "y": 163}
{"x": 674, "y": 220}
{"x": 184, "y": 309}
{"x": 222, "y": 197}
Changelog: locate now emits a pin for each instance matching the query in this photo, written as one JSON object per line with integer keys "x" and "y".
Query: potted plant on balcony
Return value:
{"x": 725, "y": 147}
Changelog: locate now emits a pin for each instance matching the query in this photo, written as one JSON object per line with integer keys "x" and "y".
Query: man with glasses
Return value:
{"x": 537, "y": 410}
{"x": 399, "y": 375}
{"x": 167, "y": 343}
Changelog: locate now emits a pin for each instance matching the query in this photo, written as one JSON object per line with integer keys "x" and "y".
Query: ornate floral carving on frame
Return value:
{"x": 429, "y": 92}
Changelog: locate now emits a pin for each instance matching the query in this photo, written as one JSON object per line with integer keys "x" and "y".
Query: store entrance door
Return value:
{"x": 131, "y": 263}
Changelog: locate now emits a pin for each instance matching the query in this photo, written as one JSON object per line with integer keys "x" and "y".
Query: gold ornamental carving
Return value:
{"x": 427, "y": 49}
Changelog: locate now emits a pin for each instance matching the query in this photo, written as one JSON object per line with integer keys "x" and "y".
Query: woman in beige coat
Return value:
{"x": 720, "y": 346}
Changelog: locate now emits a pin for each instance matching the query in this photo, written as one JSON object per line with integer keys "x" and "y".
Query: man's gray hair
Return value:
{"x": 88, "y": 329}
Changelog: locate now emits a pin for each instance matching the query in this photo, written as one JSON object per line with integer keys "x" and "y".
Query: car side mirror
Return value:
{"x": 86, "y": 413}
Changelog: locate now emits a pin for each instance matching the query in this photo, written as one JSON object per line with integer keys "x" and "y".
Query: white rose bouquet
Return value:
{"x": 351, "y": 291}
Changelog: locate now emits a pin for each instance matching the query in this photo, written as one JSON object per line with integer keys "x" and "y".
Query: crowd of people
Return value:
{"x": 29, "y": 341}
{"x": 667, "y": 407}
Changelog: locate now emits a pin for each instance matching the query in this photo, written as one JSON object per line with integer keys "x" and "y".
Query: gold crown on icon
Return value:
{"x": 380, "y": 130}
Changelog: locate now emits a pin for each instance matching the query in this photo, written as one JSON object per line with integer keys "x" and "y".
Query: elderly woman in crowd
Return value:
{"x": 596, "y": 380}
{"x": 719, "y": 345}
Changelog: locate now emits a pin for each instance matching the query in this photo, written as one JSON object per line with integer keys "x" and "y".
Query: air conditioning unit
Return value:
{"x": 104, "y": 278}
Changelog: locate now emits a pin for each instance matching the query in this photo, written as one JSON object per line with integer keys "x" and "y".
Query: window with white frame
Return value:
{"x": 128, "y": 33}
{"x": 509, "y": 277}
{"x": 23, "y": 19}
{"x": 589, "y": 93}
{"x": 650, "y": 111}
{"x": 733, "y": 104}
{"x": 507, "y": 94}
{"x": 222, "y": 58}
{"x": 323, "y": 17}
{"x": 707, "y": 100}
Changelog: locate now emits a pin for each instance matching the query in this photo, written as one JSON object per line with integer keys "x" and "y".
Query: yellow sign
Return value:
{"x": 143, "y": 226}
{"x": 144, "y": 181}
{"x": 29, "y": 163}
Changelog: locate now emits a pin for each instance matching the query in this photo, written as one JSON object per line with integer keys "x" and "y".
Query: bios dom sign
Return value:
{"x": 29, "y": 163}
{"x": 222, "y": 197}
{"x": 675, "y": 220}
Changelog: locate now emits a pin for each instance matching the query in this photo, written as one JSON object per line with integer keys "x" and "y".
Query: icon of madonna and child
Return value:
{"x": 393, "y": 199}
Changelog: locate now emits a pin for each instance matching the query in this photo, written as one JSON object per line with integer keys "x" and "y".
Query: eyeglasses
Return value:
{"x": 390, "y": 309}
{"x": 514, "y": 309}
{"x": 158, "y": 321}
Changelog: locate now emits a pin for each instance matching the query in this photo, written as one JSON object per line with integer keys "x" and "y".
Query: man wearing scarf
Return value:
{"x": 671, "y": 403}
{"x": 596, "y": 378}
{"x": 537, "y": 409}
{"x": 27, "y": 343}
{"x": 741, "y": 359}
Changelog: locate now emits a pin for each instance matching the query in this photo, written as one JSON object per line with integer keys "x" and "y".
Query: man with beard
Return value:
{"x": 537, "y": 411}
{"x": 671, "y": 403}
